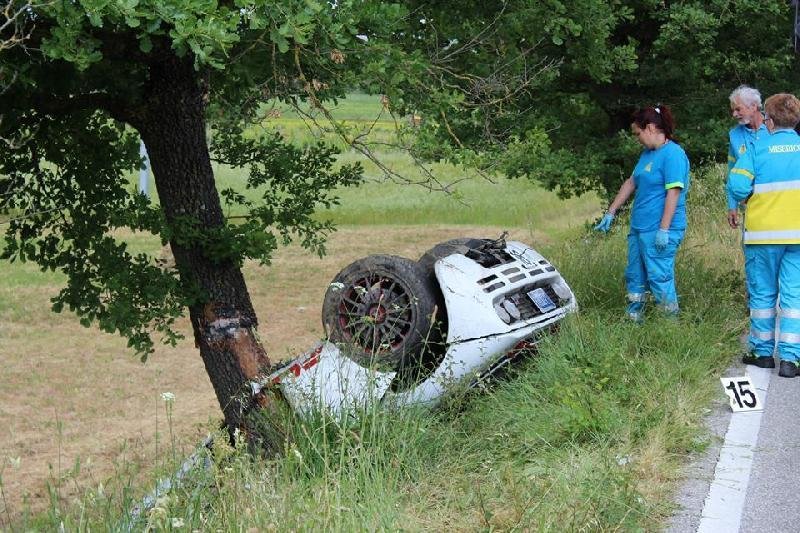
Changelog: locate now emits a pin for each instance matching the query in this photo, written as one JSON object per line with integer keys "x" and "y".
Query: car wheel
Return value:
{"x": 381, "y": 309}
{"x": 443, "y": 249}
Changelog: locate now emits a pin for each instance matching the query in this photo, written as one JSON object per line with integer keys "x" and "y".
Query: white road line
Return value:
{"x": 722, "y": 512}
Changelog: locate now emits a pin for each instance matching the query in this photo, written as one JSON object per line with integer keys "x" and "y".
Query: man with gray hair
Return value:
{"x": 746, "y": 109}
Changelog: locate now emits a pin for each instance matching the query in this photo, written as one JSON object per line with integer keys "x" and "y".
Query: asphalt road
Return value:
{"x": 773, "y": 494}
{"x": 746, "y": 481}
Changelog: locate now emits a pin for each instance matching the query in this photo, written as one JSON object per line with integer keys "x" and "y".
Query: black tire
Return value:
{"x": 443, "y": 249}
{"x": 381, "y": 309}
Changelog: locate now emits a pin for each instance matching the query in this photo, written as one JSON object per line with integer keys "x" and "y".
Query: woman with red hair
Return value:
{"x": 658, "y": 217}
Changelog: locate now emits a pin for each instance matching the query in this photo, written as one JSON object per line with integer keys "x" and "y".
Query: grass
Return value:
{"x": 589, "y": 435}
{"x": 355, "y": 108}
{"x": 471, "y": 199}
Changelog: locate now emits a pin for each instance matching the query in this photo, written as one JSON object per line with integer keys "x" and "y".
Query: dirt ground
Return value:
{"x": 75, "y": 396}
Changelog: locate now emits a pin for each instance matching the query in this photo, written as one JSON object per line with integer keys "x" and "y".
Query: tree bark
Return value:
{"x": 172, "y": 125}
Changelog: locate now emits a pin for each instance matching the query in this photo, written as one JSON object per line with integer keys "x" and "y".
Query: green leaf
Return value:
{"x": 153, "y": 26}
{"x": 95, "y": 19}
{"x": 283, "y": 45}
{"x": 145, "y": 44}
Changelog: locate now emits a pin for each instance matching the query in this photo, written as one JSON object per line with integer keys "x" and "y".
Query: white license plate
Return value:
{"x": 541, "y": 300}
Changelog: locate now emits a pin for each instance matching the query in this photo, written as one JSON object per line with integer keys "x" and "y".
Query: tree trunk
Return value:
{"x": 172, "y": 125}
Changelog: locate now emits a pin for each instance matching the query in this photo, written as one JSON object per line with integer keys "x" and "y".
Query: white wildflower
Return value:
{"x": 239, "y": 439}
{"x": 161, "y": 502}
{"x": 155, "y": 516}
{"x": 177, "y": 522}
{"x": 297, "y": 454}
{"x": 337, "y": 286}
{"x": 168, "y": 397}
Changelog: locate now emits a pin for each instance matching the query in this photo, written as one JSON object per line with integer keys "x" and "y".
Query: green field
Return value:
{"x": 589, "y": 435}
{"x": 471, "y": 200}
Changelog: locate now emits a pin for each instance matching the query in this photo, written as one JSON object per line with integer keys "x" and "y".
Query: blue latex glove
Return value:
{"x": 605, "y": 223}
{"x": 662, "y": 240}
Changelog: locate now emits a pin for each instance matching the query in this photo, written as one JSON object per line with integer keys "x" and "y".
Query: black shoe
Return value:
{"x": 788, "y": 369}
{"x": 762, "y": 362}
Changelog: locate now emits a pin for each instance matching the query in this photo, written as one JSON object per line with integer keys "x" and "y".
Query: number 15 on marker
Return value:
{"x": 742, "y": 394}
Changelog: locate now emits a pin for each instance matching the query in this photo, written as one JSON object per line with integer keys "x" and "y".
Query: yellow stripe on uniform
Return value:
{"x": 743, "y": 172}
{"x": 773, "y": 217}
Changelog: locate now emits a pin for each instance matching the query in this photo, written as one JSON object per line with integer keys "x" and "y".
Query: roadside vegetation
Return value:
{"x": 588, "y": 435}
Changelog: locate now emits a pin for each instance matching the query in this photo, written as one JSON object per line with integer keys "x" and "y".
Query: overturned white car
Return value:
{"x": 406, "y": 332}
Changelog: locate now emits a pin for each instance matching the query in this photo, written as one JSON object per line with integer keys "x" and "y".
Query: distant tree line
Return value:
{"x": 552, "y": 84}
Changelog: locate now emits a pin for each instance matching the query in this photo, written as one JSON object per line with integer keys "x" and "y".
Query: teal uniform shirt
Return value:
{"x": 767, "y": 176}
{"x": 666, "y": 167}
{"x": 740, "y": 139}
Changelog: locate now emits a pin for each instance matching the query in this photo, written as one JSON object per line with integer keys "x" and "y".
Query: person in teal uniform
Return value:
{"x": 768, "y": 177}
{"x": 746, "y": 109}
{"x": 659, "y": 183}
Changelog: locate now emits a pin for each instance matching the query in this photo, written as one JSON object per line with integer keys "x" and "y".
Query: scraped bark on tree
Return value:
{"x": 173, "y": 128}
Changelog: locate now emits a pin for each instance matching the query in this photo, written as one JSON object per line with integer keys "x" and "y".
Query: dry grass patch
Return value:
{"x": 70, "y": 394}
